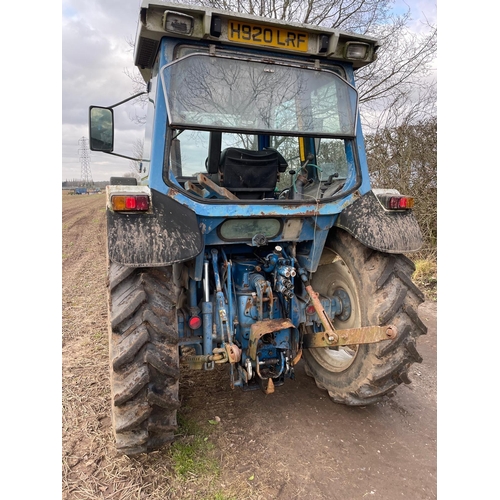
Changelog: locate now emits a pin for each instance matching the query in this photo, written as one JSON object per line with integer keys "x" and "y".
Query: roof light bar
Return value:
{"x": 356, "y": 50}
{"x": 175, "y": 22}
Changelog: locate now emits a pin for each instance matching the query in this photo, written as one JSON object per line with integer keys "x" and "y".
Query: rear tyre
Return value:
{"x": 144, "y": 358}
{"x": 380, "y": 292}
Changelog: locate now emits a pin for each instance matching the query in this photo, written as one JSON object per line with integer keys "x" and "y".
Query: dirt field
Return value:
{"x": 293, "y": 444}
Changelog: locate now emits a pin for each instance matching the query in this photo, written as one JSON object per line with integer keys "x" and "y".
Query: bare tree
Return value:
{"x": 403, "y": 69}
{"x": 137, "y": 151}
{"x": 400, "y": 83}
{"x": 357, "y": 16}
{"x": 391, "y": 86}
{"x": 138, "y": 85}
{"x": 405, "y": 158}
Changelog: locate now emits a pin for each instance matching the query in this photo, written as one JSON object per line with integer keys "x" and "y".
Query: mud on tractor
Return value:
{"x": 253, "y": 237}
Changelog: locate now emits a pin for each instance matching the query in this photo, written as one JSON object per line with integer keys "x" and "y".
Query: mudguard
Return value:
{"x": 380, "y": 229}
{"x": 168, "y": 235}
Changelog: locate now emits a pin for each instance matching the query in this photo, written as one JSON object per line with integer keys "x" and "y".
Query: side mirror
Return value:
{"x": 101, "y": 129}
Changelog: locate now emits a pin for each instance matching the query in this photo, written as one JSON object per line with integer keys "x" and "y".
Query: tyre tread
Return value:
{"x": 144, "y": 362}
{"x": 395, "y": 299}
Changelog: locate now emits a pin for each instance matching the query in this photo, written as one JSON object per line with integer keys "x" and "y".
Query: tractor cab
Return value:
{"x": 245, "y": 110}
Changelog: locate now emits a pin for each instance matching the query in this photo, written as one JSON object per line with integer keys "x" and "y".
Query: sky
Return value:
{"x": 43, "y": 110}
{"x": 96, "y": 54}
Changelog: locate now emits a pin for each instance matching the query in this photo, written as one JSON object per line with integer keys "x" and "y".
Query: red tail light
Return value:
{"x": 130, "y": 203}
{"x": 400, "y": 202}
{"x": 310, "y": 310}
{"x": 194, "y": 322}
{"x": 397, "y": 202}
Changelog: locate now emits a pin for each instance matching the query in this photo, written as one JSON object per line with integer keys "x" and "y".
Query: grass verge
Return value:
{"x": 425, "y": 277}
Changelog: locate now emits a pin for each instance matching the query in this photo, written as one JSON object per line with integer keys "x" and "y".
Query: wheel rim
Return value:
{"x": 331, "y": 280}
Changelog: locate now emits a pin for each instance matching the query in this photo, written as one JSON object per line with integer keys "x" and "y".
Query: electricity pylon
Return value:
{"x": 85, "y": 162}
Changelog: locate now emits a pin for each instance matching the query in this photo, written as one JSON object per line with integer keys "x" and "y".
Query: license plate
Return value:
{"x": 269, "y": 36}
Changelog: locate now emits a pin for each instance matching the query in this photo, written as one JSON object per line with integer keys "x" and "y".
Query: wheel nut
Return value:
{"x": 391, "y": 332}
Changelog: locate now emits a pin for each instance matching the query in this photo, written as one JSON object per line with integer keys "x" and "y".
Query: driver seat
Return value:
{"x": 251, "y": 174}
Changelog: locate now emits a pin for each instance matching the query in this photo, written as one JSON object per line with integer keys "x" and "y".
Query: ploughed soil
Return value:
{"x": 293, "y": 444}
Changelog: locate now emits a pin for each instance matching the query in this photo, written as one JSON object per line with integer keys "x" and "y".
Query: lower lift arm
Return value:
{"x": 350, "y": 336}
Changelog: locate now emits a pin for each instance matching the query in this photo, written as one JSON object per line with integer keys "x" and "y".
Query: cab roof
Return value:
{"x": 163, "y": 19}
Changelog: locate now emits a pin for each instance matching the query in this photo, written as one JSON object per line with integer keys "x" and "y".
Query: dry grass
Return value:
{"x": 425, "y": 276}
{"x": 191, "y": 469}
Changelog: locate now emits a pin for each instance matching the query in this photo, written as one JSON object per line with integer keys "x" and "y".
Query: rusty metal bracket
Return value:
{"x": 230, "y": 353}
{"x": 350, "y": 336}
{"x": 260, "y": 328}
{"x": 198, "y": 362}
{"x": 323, "y": 317}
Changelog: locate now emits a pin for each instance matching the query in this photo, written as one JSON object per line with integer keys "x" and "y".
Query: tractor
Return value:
{"x": 251, "y": 237}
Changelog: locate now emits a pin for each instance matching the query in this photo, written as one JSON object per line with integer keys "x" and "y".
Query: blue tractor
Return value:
{"x": 253, "y": 237}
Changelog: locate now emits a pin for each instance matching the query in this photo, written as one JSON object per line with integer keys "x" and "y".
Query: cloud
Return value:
{"x": 95, "y": 55}
{"x": 422, "y": 12}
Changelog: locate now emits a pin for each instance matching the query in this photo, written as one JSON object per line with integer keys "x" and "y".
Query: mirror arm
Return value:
{"x": 114, "y": 106}
{"x": 126, "y": 100}
{"x": 122, "y": 156}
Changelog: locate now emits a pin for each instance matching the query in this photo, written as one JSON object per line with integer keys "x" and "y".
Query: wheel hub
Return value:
{"x": 345, "y": 304}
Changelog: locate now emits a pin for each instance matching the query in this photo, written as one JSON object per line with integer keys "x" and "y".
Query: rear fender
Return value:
{"x": 167, "y": 234}
{"x": 383, "y": 230}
